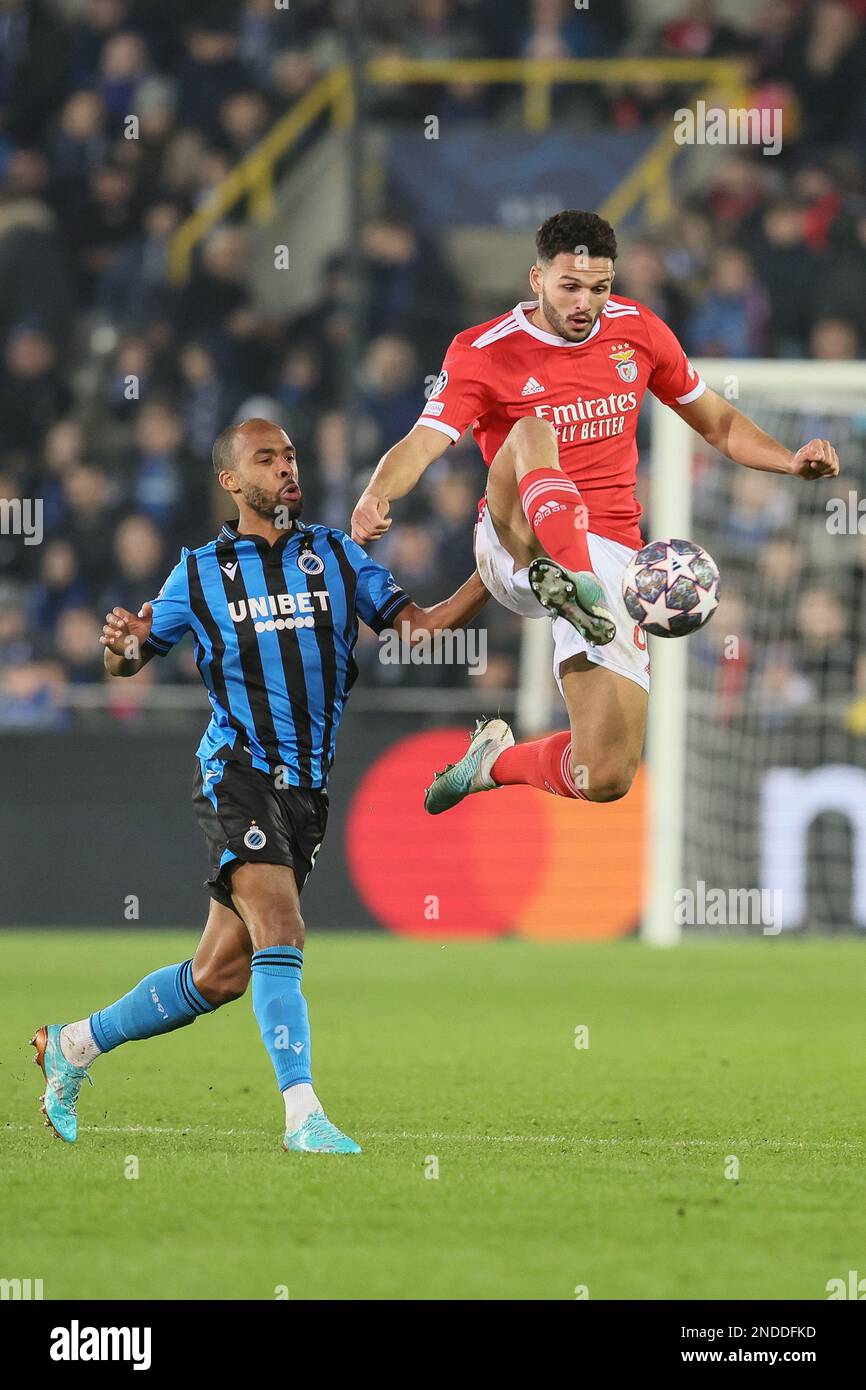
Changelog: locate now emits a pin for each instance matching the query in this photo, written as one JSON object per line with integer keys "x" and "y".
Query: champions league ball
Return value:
{"x": 671, "y": 588}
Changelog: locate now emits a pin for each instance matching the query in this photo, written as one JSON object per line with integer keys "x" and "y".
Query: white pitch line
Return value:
{"x": 427, "y": 1137}
{"x": 615, "y": 1140}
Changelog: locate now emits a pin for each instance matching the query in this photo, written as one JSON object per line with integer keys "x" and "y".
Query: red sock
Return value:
{"x": 545, "y": 764}
{"x": 558, "y": 516}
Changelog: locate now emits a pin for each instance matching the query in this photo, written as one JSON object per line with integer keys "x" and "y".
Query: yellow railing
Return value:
{"x": 253, "y": 179}
{"x": 651, "y": 177}
{"x": 538, "y": 77}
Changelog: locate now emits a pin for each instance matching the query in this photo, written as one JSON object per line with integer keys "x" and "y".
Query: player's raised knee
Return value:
{"x": 530, "y": 432}
{"x": 609, "y": 782}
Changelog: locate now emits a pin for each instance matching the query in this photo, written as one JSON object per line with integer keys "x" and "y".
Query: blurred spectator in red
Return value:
{"x": 739, "y": 188}
{"x": 699, "y": 33}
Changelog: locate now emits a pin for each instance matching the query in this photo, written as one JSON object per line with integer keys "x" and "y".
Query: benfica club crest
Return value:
{"x": 622, "y": 357}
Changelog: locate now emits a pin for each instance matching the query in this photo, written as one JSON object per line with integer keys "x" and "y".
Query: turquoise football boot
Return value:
{"x": 63, "y": 1081}
{"x": 318, "y": 1136}
{"x": 577, "y": 597}
{"x": 472, "y": 772}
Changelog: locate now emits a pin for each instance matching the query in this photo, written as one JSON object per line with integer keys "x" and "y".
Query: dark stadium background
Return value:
{"x": 124, "y": 348}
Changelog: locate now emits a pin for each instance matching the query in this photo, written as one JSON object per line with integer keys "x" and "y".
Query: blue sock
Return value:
{"x": 281, "y": 1011}
{"x": 160, "y": 1002}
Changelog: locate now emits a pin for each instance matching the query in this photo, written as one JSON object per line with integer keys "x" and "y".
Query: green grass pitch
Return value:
{"x": 558, "y": 1166}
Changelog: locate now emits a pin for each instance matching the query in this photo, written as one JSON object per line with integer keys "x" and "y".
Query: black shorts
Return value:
{"x": 247, "y": 818}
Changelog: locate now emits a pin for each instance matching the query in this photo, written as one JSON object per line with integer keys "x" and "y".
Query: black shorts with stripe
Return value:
{"x": 247, "y": 817}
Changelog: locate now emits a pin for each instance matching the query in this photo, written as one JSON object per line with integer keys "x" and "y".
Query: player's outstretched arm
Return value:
{"x": 396, "y": 473}
{"x": 456, "y": 611}
{"x": 123, "y": 638}
{"x": 740, "y": 439}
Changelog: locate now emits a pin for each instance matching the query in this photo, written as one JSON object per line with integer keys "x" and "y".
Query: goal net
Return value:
{"x": 757, "y": 734}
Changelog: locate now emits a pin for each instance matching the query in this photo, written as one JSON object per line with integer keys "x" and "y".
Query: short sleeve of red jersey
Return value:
{"x": 673, "y": 379}
{"x": 460, "y": 394}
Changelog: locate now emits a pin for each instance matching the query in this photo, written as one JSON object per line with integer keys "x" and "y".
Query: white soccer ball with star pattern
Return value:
{"x": 671, "y": 588}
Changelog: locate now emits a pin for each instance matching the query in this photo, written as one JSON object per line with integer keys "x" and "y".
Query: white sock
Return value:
{"x": 301, "y": 1101}
{"x": 77, "y": 1045}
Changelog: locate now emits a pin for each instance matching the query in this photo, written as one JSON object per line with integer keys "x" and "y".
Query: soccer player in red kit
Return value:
{"x": 552, "y": 391}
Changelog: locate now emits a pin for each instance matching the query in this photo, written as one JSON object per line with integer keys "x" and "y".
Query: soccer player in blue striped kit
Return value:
{"x": 273, "y": 608}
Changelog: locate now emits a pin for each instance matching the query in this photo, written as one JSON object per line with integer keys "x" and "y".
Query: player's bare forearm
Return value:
{"x": 122, "y": 666}
{"x": 396, "y": 473}
{"x": 456, "y": 611}
{"x": 744, "y": 442}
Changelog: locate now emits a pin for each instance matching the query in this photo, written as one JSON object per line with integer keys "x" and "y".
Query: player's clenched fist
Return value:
{"x": 123, "y": 633}
{"x": 817, "y": 459}
{"x": 370, "y": 518}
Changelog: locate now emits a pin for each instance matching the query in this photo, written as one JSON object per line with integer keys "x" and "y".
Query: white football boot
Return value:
{"x": 472, "y": 772}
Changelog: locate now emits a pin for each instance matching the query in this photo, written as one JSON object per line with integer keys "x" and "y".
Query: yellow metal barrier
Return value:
{"x": 651, "y": 178}
{"x": 538, "y": 77}
{"x": 254, "y": 176}
{"x": 253, "y": 179}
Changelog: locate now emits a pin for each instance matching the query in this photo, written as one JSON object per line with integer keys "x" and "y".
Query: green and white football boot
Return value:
{"x": 472, "y": 772}
{"x": 577, "y": 597}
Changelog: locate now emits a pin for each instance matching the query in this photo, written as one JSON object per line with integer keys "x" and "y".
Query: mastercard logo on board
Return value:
{"x": 515, "y": 861}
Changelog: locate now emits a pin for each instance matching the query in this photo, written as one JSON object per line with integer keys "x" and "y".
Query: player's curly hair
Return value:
{"x": 577, "y": 233}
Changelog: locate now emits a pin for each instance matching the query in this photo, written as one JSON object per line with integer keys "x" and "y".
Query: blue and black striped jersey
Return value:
{"x": 275, "y": 629}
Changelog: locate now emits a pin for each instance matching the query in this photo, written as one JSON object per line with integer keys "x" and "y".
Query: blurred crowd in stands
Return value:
{"x": 115, "y": 381}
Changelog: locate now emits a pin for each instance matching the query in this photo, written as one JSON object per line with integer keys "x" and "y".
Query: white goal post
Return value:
{"x": 794, "y": 393}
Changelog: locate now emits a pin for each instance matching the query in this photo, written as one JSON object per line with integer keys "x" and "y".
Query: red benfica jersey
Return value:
{"x": 590, "y": 392}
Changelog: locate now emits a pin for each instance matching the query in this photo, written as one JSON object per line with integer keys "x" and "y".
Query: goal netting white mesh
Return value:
{"x": 763, "y": 717}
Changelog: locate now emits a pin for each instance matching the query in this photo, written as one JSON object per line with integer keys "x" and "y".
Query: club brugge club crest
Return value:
{"x": 255, "y": 837}
{"x": 622, "y": 357}
{"x": 310, "y": 563}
